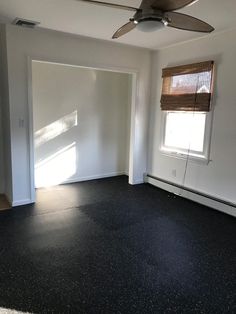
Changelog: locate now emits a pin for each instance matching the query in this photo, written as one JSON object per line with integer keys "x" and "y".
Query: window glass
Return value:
{"x": 185, "y": 131}
{"x": 191, "y": 83}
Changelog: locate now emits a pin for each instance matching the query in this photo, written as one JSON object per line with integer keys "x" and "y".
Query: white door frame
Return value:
{"x": 133, "y": 125}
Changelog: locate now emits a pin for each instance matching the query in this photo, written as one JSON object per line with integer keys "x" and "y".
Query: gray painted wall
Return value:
{"x": 2, "y": 176}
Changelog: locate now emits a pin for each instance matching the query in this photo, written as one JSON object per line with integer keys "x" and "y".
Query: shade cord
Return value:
{"x": 189, "y": 147}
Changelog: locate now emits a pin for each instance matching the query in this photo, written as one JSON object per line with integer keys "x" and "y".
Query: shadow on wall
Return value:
{"x": 114, "y": 125}
{"x": 61, "y": 165}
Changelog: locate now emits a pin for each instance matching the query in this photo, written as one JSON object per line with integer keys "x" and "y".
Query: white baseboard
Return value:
{"x": 138, "y": 181}
{"x": 80, "y": 179}
{"x": 94, "y": 177}
{"x": 21, "y": 202}
{"x": 74, "y": 180}
{"x": 227, "y": 209}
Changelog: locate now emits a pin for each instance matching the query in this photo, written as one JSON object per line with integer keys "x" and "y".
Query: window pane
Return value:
{"x": 191, "y": 83}
{"x": 185, "y": 130}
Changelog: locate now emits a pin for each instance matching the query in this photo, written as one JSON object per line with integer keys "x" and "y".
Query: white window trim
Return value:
{"x": 186, "y": 154}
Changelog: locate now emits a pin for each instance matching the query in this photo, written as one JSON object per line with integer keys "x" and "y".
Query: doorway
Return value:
{"x": 81, "y": 123}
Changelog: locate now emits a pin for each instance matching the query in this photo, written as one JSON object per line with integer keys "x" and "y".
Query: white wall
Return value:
{"x": 81, "y": 123}
{"x": 218, "y": 178}
{"x": 2, "y": 176}
{"x": 5, "y": 141}
{"x": 63, "y": 48}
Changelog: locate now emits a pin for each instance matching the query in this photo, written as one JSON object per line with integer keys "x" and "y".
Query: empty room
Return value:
{"x": 117, "y": 156}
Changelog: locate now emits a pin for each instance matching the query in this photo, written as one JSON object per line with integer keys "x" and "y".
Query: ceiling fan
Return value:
{"x": 156, "y": 14}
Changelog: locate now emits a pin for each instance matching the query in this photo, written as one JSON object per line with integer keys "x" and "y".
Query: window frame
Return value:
{"x": 180, "y": 153}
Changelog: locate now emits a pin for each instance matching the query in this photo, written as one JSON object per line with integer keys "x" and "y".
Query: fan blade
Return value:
{"x": 170, "y": 5}
{"x": 124, "y": 29}
{"x": 112, "y": 5}
{"x": 187, "y": 22}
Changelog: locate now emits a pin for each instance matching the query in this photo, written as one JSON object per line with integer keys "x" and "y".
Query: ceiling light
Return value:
{"x": 150, "y": 25}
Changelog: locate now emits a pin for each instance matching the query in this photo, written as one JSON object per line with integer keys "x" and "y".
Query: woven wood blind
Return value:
{"x": 187, "y": 87}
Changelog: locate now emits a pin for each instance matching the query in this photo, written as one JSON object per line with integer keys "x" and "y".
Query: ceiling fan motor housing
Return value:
{"x": 150, "y": 20}
{"x": 153, "y": 15}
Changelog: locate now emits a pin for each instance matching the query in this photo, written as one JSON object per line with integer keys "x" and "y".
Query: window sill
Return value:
{"x": 192, "y": 158}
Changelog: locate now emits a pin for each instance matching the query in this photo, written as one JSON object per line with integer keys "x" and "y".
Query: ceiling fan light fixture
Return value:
{"x": 150, "y": 25}
{"x": 154, "y": 15}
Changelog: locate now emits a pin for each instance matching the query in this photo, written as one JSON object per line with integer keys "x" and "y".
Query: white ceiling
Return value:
{"x": 80, "y": 18}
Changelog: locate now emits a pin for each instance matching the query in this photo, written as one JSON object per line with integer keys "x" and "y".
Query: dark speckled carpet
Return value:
{"x": 107, "y": 247}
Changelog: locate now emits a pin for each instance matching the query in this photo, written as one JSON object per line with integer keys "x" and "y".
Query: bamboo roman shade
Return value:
{"x": 187, "y": 87}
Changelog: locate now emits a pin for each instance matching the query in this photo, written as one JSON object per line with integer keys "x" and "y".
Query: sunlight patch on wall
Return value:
{"x": 55, "y": 129}
{"x": 57, "y": 168}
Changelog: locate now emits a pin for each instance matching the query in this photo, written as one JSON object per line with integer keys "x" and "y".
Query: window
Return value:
{"x": 185, "y": 103}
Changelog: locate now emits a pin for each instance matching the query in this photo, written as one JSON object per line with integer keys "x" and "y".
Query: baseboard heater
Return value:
{"x": 212, "y": 198}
